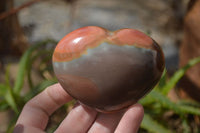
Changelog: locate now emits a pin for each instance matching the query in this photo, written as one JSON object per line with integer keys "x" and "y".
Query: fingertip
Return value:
{"x": 137, "y": 109}
{"x": 131, "y": 119}
{"x": 80, "y": 117}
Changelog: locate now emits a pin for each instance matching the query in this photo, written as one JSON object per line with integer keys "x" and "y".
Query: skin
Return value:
{"x": 35, "y": 115}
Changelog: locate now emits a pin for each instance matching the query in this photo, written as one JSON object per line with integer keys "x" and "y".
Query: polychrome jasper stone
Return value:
{"x": 107, "y": 70}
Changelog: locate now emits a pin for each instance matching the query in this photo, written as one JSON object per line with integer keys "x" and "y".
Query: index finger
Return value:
{"x": 36, "y": 112}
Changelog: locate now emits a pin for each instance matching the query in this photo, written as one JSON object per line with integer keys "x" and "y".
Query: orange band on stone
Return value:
{"x": 76, "y": 43}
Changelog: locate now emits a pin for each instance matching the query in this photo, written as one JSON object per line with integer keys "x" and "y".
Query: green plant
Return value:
{"x": 156, "y": 103}
{"x": 10, "y": 94}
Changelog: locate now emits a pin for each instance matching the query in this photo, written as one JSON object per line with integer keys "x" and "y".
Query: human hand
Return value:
{"x": 35, "y": 115}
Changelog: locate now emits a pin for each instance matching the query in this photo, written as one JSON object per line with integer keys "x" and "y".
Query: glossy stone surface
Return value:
{"x": 107, "y": 70}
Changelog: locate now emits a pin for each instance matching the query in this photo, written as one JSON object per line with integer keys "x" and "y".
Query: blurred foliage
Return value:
{"x": 156, "y": 103}
{"x": 11, "y": 97}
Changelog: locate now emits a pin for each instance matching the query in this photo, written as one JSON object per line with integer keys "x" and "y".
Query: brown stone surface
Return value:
{"x": 190, "y": 48}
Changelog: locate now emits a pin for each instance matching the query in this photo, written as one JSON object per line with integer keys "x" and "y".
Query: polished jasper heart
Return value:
{"x": 107, "y": 70}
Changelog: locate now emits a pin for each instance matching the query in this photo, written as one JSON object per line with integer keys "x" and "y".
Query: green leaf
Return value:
{"x": 21, "y": 72}
{"x": 178, "y": 75}
{"x": 165, "y": 101}
{"x": 44, "y": 84}
{"x": 147, "y": 100}
{"x": 25, "y": 60}
{"x": 179, "y": 109}
{"x": 152, "y": 125}
{"x": 163, "y": 79}
{"x": 10, "y": 100}
{"x": 36, "y": 55}
{"x": 3, "y": 89}
{"x": 3, "y": 105}
{"x": 8, "y": 93}
{"x": 189, "y": 103}
{"x": 189, "y": 109}
{"x": 7, "y": 76}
